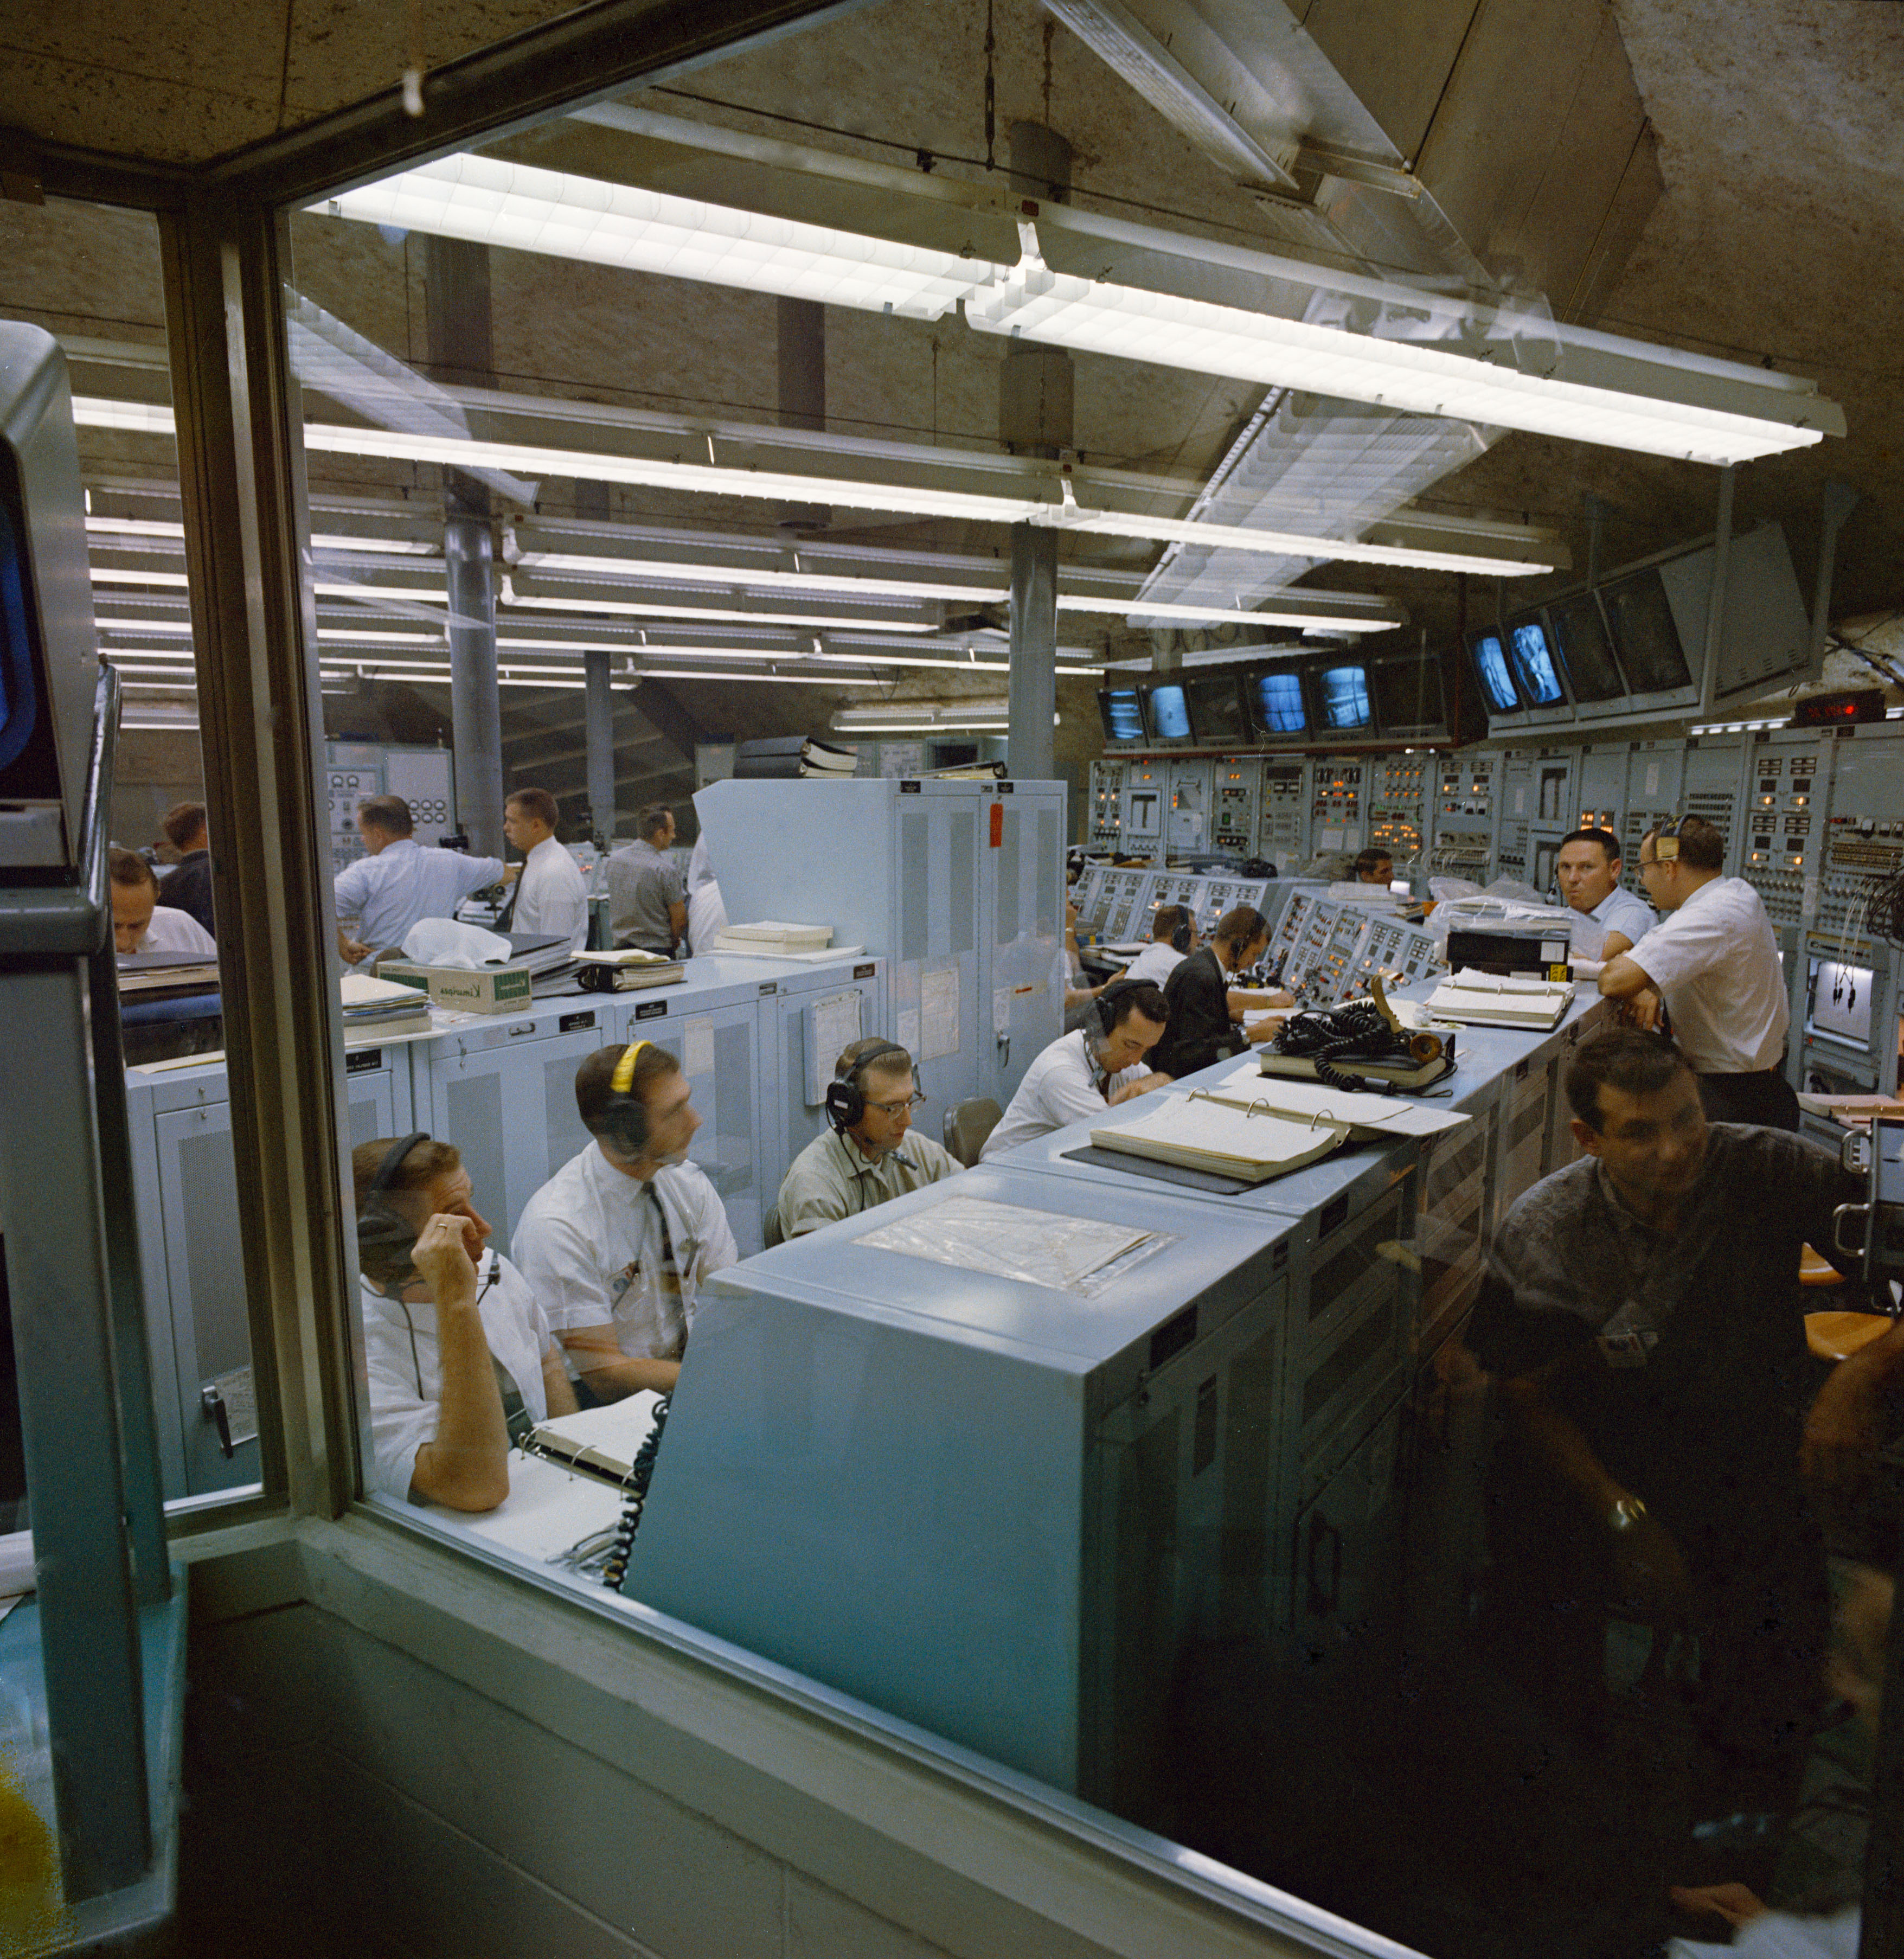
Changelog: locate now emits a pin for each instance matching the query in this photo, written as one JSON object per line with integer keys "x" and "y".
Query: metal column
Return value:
{"x": 599, "y": 725}
{"x": 801, "y": 346}
{"x": 1033, "y": 686}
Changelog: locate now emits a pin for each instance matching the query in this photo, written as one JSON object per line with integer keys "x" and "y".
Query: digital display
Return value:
{"x": 1533, "y": 667}
{"x": 1644, "y": 635}
{"x": 1585, "y": 649}
{"x": 1169, "y": 713}
{"x": 1840, "y": 1004}
{"x": 1407, "y": 694}
{"x": 1490, "y": 662}
{"x": 1121, "y": 710}
{"x": 1216, "y": 710}
{"x": 1344, "y": 695}
{"x": 1276, "y": 701}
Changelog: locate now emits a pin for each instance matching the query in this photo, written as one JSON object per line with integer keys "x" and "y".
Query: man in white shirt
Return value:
{"x": 399, "y": 881}
{"x": 1082, "y": 1074}
{"x": 1588, "y": 872}
{"x": 139, "y": 922}
{"x": 1173, "y": 938}
{"x": 1714, "y": 961}
{"x": 456, "y": 1345}
{"x": 551, "y": 894}
{"x": 616, "y": 1243}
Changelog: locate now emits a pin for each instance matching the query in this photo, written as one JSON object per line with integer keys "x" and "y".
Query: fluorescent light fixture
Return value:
{"x": 925, "y": 717}
{"x": 516, "y": 205}
{"x": 106, "y": 574}
{"x": 648, "y": 608}
{"x": 763, "y": 578}
{"x": 1032, "y": 302}
{"x": 780, "y": 487}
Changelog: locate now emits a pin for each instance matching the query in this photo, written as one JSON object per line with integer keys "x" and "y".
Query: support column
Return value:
{"x": 599, "y": 726}
{"x": 802, "y": 396}
{"x": 1035, "y": 404}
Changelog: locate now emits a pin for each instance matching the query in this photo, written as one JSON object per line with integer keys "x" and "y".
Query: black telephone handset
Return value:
{"x": 1365, "y": 1031}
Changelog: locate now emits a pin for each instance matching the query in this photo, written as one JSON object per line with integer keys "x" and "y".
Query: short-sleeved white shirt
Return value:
{"x": 1156, "y": 963}
{"x": 1715, "y": 963}
{"x": 178, "y": 934}
{"x": 406, "y": 1380}
{"x": 588, "y": 1238}
{"x": 552, "y": 899}
{"x": 405, "y": 881}
{"x": 1060, "y": 1087}
{"x": 1620, "y": 911}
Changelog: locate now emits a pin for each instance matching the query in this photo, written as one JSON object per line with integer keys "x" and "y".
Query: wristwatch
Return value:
{"x": 1624, "y": 1513}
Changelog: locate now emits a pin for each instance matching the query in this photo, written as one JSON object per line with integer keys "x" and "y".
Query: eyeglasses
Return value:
{"x": 900, "y": 1108}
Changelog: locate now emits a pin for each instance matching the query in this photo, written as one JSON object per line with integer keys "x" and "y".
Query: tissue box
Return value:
{"x": 485, "y": 989}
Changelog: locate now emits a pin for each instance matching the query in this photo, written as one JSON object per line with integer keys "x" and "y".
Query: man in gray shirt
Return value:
{"x": 647, "y": 896}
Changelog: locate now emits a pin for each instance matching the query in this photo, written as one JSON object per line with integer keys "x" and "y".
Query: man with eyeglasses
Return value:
{"x": 866, "y": 1155}
{"x": 1713, "y": 960}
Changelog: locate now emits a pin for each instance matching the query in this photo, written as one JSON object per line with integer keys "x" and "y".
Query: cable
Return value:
{"x": 641, "y": 1473}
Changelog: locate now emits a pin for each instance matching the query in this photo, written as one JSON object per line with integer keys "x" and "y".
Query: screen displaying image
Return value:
{"x": 1122, "y": 713}
{"x": 1217, "y": 709}
{"x": 1490, "y": 662}
{"x": 1841, "y": 1002}
{"x": 1644, "y": 634}
{"x": 1585, "y": 649}
{"x": 1276, "y": 700}
{"x": 1533, "y": 667}
{"x": 1407, "y": 694}
{"x": 1169, "y": 713}
{"x": 1344, "y": 692}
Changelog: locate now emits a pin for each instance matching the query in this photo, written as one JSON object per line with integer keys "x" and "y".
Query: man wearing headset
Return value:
{"x": 866, "y": 1155}
{"x": 1713, "y": 960}
{"x": 1083, "y": 1073}
{"x": 459, "y": 1351}
{"x": 1173, "y": 938}
{"x": 1206, "y": 1014}
{"x": 616, "y": 1243}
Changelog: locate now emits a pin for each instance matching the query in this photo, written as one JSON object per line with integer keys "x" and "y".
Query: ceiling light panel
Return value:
{"x": 524, "y": 209}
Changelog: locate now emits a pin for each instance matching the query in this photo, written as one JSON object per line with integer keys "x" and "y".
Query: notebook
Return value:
{"x": 1197, "y": 1131}
{"x": 1486, "y": 999}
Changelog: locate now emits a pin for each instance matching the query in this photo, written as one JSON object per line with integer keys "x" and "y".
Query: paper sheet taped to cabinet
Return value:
{"x": 1078, "y": 1255}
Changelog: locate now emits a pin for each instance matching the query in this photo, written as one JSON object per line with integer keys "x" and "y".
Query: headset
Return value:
{"x": 1666, "y": 837}
{"x": 1105, "y": 1004}
{"x": 380, "y": 1226}
{"x": 625, "y": 1115}
{"x": 846, "y": 1094}
{"x": 1180, "y": 939}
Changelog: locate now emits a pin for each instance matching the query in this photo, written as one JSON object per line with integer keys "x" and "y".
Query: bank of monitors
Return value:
{"x": 1121, "y": 708}
{"x": 1580, "y": 632}
{"x": 1277, "y": 706}
{"x": 1530, "y": 652}
{"x": 1219, "y": 714}
{"x": 1342, "y": 703}
{"x": 1488, "y": 650}
{"x": 1640, "y": 617}
{"x": 1407, "y": 696}
{"x": 1167, "y": 710}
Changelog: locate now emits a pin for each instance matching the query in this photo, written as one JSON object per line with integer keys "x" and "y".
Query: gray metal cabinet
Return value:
{"x": 791, "y": 1115}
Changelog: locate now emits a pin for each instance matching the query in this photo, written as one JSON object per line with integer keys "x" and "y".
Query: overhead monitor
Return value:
{"x": 1407, "y": 694}
{"x": 1490, "y": 664}
{"x": 29, "y": 767}
{"x": 1640, "y": 617}
{"x": 1276, "y": 701}
{"x": 1121, "y": 710}
{"x": 1342, "y": 697}
{"x": 1838, "y": 1005}
{"x": 1585, "y": 649}
{"x": 1218, "y": 713}
{"x": 1169, "y": 714}
{"x": 1531, "y": 654}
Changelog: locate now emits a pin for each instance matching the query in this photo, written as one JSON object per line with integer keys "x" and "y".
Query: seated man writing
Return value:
{"x": 1207, "y": 1013}
{"x": 616, "y": 1243}
{"x": 458, "y": 1347}
{"x": 1641, "y": 1314}
{"x": 1084, "y": 1073}
{"x": 866, "y": 1155}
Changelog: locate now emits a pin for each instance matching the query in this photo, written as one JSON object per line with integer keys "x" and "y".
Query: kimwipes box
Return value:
{"x": 485, "y": 989}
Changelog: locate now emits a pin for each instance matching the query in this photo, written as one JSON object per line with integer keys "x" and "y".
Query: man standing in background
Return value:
{"x": 188, "y": 888}
{"x": 647, "y": 899}
{"x": 551, "y": 898}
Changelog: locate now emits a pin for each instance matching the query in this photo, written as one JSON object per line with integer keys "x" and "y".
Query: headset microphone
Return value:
{"x": 846, "y": 1093}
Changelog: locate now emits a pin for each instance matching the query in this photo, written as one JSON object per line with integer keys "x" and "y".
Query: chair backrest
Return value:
{"x": 967, "y": 1125}
{"x": 771, "y": 1234}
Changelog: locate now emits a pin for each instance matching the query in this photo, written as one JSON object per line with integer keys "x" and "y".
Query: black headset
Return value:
{"x": 846, "y": 1093}
{"x": 1180, "y": 939}
{"x": 382, "y": 1227}
{"x": 624, "y": 1116}
{"x": 1106, "y": 1002}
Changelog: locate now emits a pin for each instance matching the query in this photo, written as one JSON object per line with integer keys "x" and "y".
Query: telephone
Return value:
{"x": 1390, "y": 1057}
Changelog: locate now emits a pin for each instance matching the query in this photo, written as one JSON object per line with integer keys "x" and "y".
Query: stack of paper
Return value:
{"x": 628, "y": 970}
{"x": 787, "y": 756}
{"x": 380, "y": 1009}
{"x": 1486, "y": 999}
{"x": 774, "y": 935}
{"x": 1197, "y": 1132}
{"x": 165, "y": 975}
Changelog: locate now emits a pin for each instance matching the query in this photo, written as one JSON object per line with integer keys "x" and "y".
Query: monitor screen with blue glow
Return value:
{"x": 1122, "y": 713}
{"x": 1344, "y": 692}
{"x": 1534, "y": 667}
{"x": 1276, "y": 701}
{"x": 1169, "y": 713}
{"x": 1216, "y": 710}
{"x": 1490, "y": 662}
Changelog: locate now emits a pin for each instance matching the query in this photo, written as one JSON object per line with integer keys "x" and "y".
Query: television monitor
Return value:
{"x": 1491, "y": 663}
{"x": 1640, "y": 617}
{"x": 1217, "y": 711}
{"x": 1168, "y": 712}
{"x": 1586, "y": 651}
{"x": 1121, "y": 710}
{"x": 1276, "y": 701}
{"x": 1839, "y": 1005}
{"x": 1531, "y": 654}
{"x": 1342, "y": 697}
{"x": 1407, "y": 694}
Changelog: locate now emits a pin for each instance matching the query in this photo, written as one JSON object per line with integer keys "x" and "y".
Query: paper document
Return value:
{"x": 1392, "y": 1115}
{"x": 832, "y": 1025}
{"x": 1009, "y": 1241}
{"x": 938, "y": 1013}
{"x": 905, "y": 1029}
{"x": 697, "y": 1044}
{"x": 1233, "y": 1139}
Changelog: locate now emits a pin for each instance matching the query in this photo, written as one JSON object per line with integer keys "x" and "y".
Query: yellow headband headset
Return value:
{"x": 623, "y": 1081}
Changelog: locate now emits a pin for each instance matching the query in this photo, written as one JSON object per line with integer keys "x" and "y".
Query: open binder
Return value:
{"x": 1251, "y": 1141}
{"x": 1484, "y": 999}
